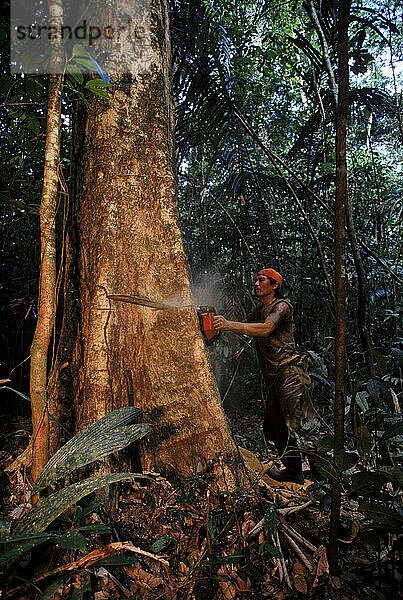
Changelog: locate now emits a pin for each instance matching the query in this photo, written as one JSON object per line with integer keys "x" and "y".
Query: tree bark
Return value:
{"x": 340, "y": 272}
{"x": 362, "y": 308}
{"x": 128, "y": 241}
{"x": 47, "y": 280}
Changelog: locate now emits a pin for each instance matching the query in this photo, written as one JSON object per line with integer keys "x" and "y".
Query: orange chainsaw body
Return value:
{"x": 206, "y": 314}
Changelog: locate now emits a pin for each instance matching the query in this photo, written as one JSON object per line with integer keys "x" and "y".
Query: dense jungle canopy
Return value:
{"x": 251, "y": 156}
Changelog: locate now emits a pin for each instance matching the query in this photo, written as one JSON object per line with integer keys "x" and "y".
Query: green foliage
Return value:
{"x": 394, "y": 431}
{"x": 365, "y": 475}
{"x": 51, "y": 590}
{"x": 364, "y": 442}
{"x": 48, "y": 509}
{"x": 267, "y": 548}
{"x": 270, "y": 518}
{"x": 109, "y": 434}
{"x": 382, "y": 516}
{"x": 161, "y": 543}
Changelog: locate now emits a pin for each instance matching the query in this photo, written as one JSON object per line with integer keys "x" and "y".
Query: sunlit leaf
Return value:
{"x": 48, "y": 509}
{"x": 109, "y": 434}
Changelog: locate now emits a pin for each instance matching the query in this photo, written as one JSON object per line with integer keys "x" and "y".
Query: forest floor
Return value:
{"x": 189, "y": 539}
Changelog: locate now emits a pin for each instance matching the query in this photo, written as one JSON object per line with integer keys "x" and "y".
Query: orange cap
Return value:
{"x": 272, "y": 274}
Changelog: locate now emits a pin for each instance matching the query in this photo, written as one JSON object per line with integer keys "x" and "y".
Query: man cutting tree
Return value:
{"x": 288, "y": 403}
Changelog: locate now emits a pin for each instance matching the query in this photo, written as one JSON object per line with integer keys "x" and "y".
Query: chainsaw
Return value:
{"x": 205, "y": 313}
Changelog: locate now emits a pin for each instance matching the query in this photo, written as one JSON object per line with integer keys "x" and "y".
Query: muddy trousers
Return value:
{"x": 288, "y": 403}
{"x": 275, "y": 430}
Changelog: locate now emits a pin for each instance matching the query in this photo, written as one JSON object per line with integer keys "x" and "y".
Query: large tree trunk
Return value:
{"x": 124, "y": 217}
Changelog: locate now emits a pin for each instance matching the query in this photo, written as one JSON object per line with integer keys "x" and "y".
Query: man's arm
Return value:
{"x": 280, "y": 312}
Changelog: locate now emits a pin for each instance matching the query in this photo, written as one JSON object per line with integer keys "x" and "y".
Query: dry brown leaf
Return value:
{"x": 300, "y": 578}
{"x": 246, "y": 527}
{"x": 243, "y": 586}
{"x": 337, "y": 582}
{"x": 142, "y": 577}
{"x": 229, "y": 588}
{"x": 184, "y": 569}
{"x": 355, "y": 529}
{"x": 260, "y": 469}
{"x": 102, "y": 595}
{"x": 322, "y": 566}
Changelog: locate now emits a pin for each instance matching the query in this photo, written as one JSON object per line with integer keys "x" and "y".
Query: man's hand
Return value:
{"x": 220, "y": 323}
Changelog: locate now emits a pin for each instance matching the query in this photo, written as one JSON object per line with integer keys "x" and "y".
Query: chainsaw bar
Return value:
{"x": 142, "y": 301}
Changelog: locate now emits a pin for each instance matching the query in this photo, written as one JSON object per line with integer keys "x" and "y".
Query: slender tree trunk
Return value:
{"x": 339, "y": 236}
{"x": 362, "y": 310}
{"x": 47, "y": 281}
{"x": 124, "y": 216}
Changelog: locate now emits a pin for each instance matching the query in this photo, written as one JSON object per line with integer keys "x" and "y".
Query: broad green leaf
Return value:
{"x": 96, "y": 83}
{"x": 35, "y": 88}
{"x": 395, "y": 430}
{"x": 367, "y": 483}
{"x": 40, "y": 537}
{"x": 50, "y": 591}
{"x": 48, "y": 509}
{"x": 96, "y": 529}
{"x": 345, "y": 460}
{"x": 17, "y": 551}
{"x": 361, "y": 401}
{"x": 364, "y": 442}
{"x": 84, "y": 62}
{"x": 393, "y": 474}
{"x": 79, "y": 50}
{"x": 161, "y": 543}
{"x": 109, "y": 434}
{"x": 72, "y": 540}
{"x": 398, "y": 355}
{"x": 325, "y": 443}
{"x": 270, "y": 549}
{"x": 374, "y": 389}
{"x": 34, "y": 124}
{"x": 99, "y": 92}
{"x": 381, "y": 362}
{"x": 382, "y": 515}
{"x": 326, "y": 471}
{"x": 75, "y": 73}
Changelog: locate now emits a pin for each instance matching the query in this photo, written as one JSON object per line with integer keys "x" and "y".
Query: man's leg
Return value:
{"x": 276, "y": 430}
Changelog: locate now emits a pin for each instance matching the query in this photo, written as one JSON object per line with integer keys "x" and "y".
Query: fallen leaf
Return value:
{"x": 142, "y": 577}
{"x": 355, "y": 529}
{"x": 299, "y": 575}
{"x": 337, "y": 583}
{"x": 322, "y": 566}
